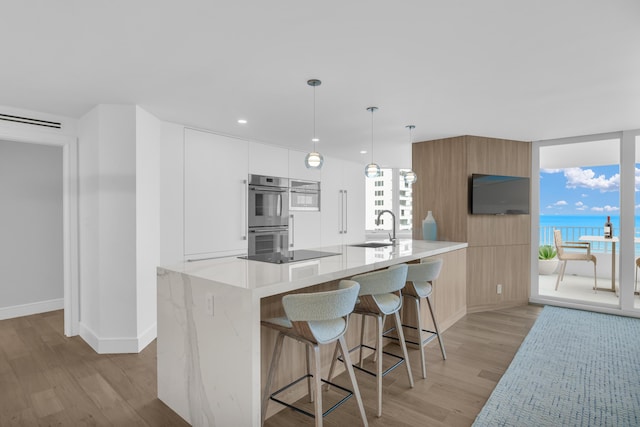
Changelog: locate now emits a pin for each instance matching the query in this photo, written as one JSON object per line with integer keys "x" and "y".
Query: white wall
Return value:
{"x": 147, "y": 169}
{"x": 88, "y": 209}
{"x": 119, "y": 173}
{"x": 31, "y": 257}
{"x": 65, "y": 138}
{"x": 108, "y": 155}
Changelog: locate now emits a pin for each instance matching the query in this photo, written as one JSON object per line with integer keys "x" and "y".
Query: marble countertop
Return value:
{"x": 264, "y": 279}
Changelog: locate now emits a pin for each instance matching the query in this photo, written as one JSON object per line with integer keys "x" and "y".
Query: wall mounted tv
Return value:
{"x": 499, "y": 195}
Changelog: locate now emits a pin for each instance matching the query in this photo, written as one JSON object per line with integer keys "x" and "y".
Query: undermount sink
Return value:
{"x": 372, "y": 244}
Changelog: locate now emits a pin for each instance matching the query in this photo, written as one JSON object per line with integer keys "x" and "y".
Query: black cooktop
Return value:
{"x": 291, "y": 256}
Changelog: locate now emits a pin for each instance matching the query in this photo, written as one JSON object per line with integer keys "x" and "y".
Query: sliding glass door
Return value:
{"x": 636, "y": 228}
{"x": 587, "y": 184}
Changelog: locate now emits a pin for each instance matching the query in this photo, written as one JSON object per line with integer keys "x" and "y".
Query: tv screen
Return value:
{"x": 499, "y": 195}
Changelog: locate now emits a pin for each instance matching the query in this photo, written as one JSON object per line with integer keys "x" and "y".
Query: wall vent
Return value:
{"x": 28, "y": 121}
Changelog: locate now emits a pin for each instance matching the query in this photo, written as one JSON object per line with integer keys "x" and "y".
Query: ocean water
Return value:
{"x": 580, "y": 221}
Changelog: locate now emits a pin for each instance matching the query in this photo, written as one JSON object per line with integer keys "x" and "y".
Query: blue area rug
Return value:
{"x": 574, "y": 368}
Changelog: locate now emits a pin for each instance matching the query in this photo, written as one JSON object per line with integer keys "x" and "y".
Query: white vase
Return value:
{"x": 547, "y": 266}
{"x": 429, "y": 228}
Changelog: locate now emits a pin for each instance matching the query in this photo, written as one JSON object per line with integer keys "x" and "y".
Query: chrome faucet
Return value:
{"x": 392, "y": 238}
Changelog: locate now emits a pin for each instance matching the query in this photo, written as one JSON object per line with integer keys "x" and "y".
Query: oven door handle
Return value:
{"x": 270, "y": 231}
{"x": 279, "y": 209}
{"x": 268, "y": 189}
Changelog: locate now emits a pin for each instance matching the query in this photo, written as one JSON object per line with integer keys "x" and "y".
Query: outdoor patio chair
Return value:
{"x": 584, "y": 255}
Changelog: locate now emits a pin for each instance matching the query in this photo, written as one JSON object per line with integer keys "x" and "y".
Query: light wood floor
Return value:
{"x": 47, "y": 379}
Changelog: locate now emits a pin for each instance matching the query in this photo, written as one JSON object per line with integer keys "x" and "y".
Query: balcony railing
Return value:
{"x": 572, "y": 234}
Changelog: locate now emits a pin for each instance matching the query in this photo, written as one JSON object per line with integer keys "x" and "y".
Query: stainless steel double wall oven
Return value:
{"x": 268, "y": 219}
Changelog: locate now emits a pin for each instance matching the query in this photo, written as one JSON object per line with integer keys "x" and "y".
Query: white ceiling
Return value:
{"x": 525, "y": 70}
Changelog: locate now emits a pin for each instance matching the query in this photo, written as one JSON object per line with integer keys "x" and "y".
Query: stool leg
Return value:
{"x": 317, "y": 380}
{"x": 403, "y": 343}
{"x": 379, "y": 367}
{"x": 361, "y": 340}
{"x": 419, "y": 319}
{"x": 277, "y": 350}
{"x": 435, "y": 324}
{"x": 356, "y": 391}
{"x": 333, "y": 365}
{"x": 309, "y": 388}
{"x": 384, "y": 319}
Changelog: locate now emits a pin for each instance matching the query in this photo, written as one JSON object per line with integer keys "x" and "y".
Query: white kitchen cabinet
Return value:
{"x": 304, "y": 230}
{"x": 215, "y": 195}
{"x": 298, "y": 170}
{"x": 304, "y": 226}
{"x": 268, "y": 160}
{"x": 343, "y": 202}
{"x": 353, "y": 182}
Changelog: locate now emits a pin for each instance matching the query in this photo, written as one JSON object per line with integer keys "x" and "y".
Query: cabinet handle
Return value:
{"x": 243, "y": 233}
{"x": 346, "y": 210}
{"x": 341, "y": 213}
{"x": 292, "y": 231}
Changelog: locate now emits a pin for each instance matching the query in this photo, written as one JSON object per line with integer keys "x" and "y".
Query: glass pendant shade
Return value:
{"x": 410, "y": 177}
{"x": 314, "y": 160}
{"x": 372, "y": 170}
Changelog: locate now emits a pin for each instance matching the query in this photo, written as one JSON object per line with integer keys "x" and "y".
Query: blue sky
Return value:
{"x": 580, "y": 191}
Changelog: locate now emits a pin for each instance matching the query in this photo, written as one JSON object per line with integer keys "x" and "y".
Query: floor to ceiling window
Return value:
{"x": 389, "y": 192}
{"x": 636, "y": 234}
{"x": 584, "y": 184}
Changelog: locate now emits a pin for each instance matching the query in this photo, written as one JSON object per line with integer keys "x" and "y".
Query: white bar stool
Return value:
{"x": 380, "y": 295}
{"x": 420, "y": 279}
{"x": 314, "y": 319}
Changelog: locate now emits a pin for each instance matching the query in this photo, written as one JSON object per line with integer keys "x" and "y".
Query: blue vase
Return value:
{"x": 429, "y": 228}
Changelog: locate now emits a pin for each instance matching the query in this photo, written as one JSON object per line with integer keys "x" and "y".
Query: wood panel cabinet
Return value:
{"x": 499, "y": 245}
{"x": 215, "y": 197}
{"x": 506, "y": 265}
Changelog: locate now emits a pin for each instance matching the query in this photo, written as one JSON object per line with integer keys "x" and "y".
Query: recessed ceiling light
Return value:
{"x": 363, "y": 151}
{"x": 315, "y": 140}
{"x": 242, "y": 121}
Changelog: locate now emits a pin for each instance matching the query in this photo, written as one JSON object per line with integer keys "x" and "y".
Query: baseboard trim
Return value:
{"x": 117, "y": 345}
{"x": 499, "y": 306}
{"x": 31, "y": 308}
{"x": 146, "y": 337}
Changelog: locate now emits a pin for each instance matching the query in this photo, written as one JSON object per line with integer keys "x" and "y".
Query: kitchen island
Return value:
{"x": 210, "y": 345}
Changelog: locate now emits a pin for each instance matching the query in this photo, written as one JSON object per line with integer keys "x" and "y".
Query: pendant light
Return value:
{"x": 410, "y": 177}
{"x": 372, "y": 170}
{"x": 314, "y": 160}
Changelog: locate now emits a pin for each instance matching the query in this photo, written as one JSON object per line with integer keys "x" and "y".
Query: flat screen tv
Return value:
{"x": 499, "y": 195}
